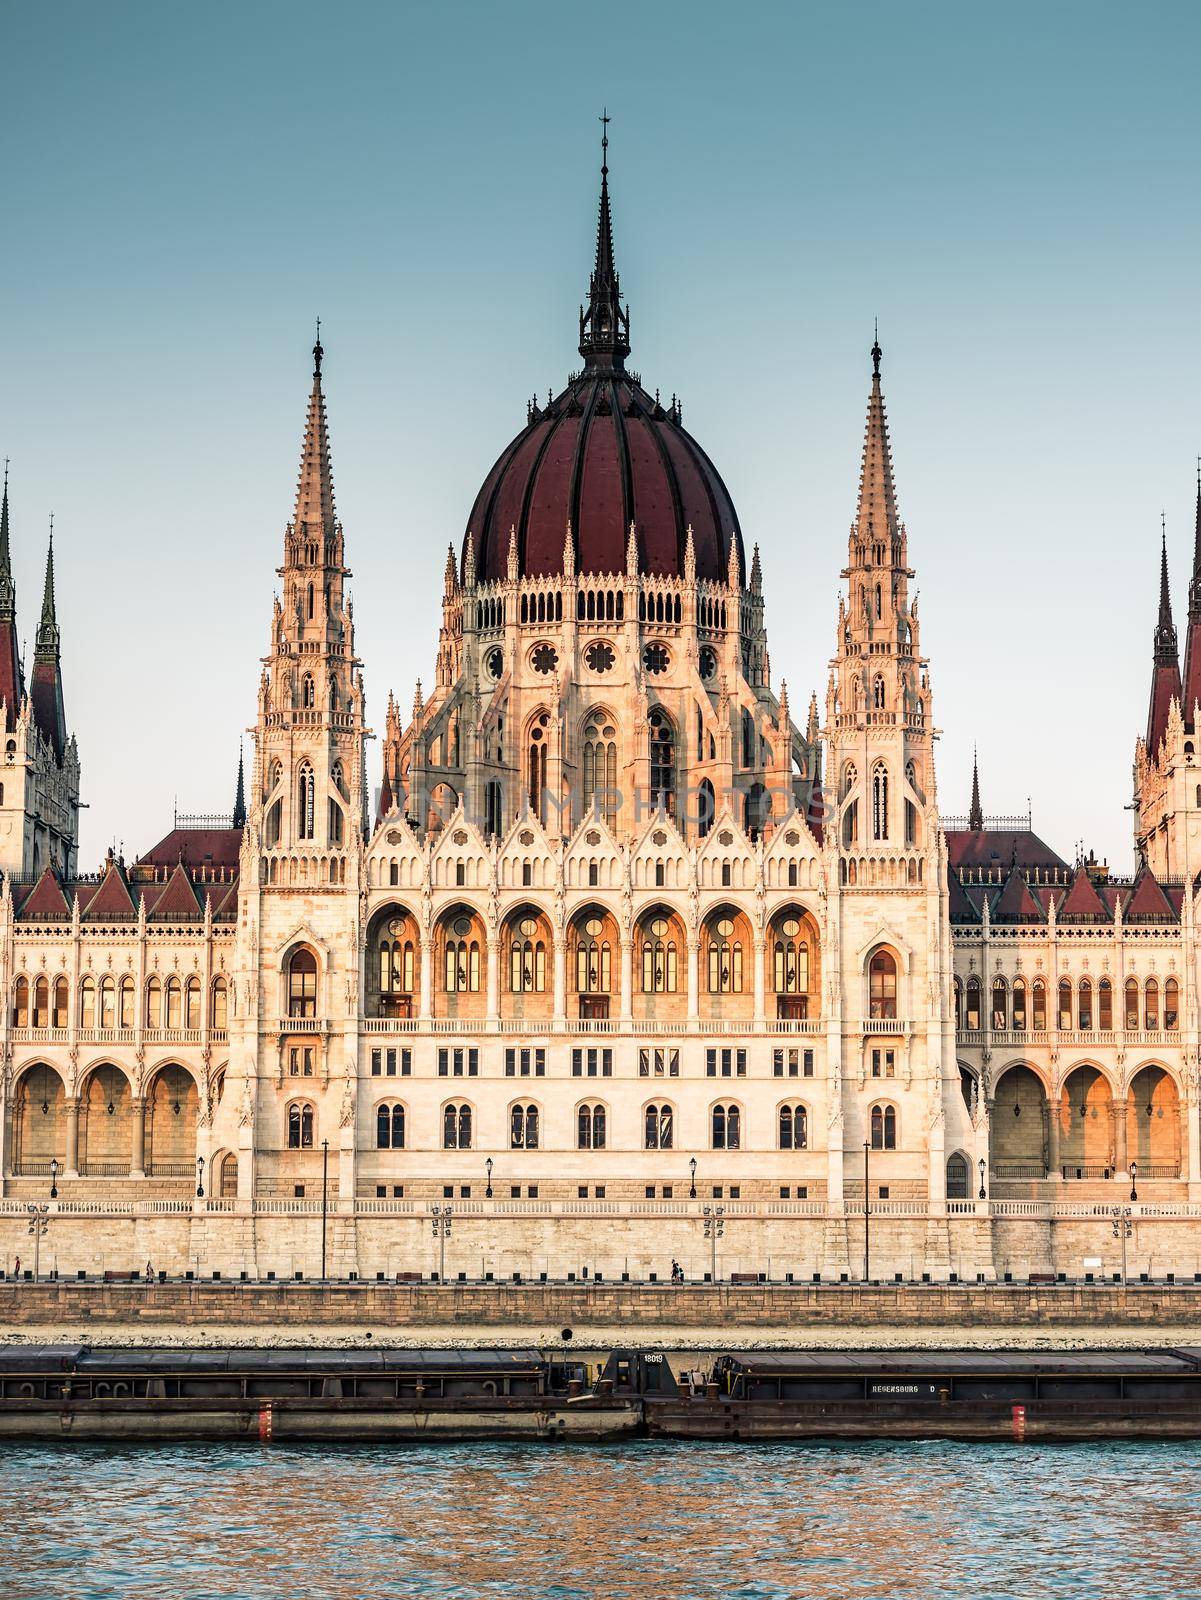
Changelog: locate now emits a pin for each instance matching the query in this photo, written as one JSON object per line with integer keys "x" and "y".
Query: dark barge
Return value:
{"x": 946, "y": 1394}
{"x": 77, "y": 1391}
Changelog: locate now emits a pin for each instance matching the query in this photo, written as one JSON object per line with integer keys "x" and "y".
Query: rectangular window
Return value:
{"x": 473, "y": 1063}
{"x": 808, "y": 1063}
{"x": 740, "y": 1063}
{"x": 406, "y": 1063}
{"x": 398, "y": 1191}
{"x": 777, "y": 1063}
{"x": 577, "y": 1063}
{"x": 735, "y": 1191}
{"x": 711, "y": 1063}
{"x": 644, "y": 1063}
{"x": 510, "y": 1063}
{"x": 884, "y": 1064}
{"x": 376, "y": 1063}
{"x": 391, "y": 1063}
{"x": 443, "y": 1063}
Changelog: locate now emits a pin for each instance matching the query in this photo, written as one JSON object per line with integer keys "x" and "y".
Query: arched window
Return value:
{"x": 725, "y": 957}
{"x": 794, "y": 1128}
{"x": 790, "y": 958}
{"x": 523, "y": 1128}
{"x": 879, "y": 801}
{"x": 882, "y": 986}
{"x": 1065, "y": 1003}
{"x": 1151, "y": 1004}
{"x": 658, "y": 957}
{"x": 302, "y": 983}
{"x": 957, "y": 1002}
{"x": 62, "y": 991}
{"x": 493, "y": 808}
{"x": 21, "y": 1002}
{"x": 1084, "y": 1005}
{"x": 308, "y": 692}
{"x": 662, "y": 760}
{"x": 462, "y": 958}
{"x": 125, "y": 1003}
{"x": 300, "y": 1127}
{"x": 173, "y": 995}
{"x": 527, "y": 958}
{"x": 306, "y": 802}
{"x": 536, "y": 766}
{"x": 748, "y": 739}
{"x": 593, "y": 958}
{"x": 658, "y": 1127}
{"x": 1132, "y": 1005}
{"x": 1105, "y": 1005}
{"x": 274, "y": 823}
{"x": 878, "y": 693}
{"x": 706, "y": 808}
{"x": 108, "y": 1003}
{"x": 334, "y": 820}
{"x": 600, "y": 769}
{"x": 41, "y": 1003}
{"x": 154, "y": 1003}
{"x": 879, "y": 603}
{"x": 390, "y": 1127}
{"x": 756, "y": 810}
{"x": 1019, "y": 1005}
{"x": 590, "y": 1128}
{"x": 1171, "y": 1005}
{"x": 884, "y": 1128}
{"x": 726, "y": 1127}
{"x": 220, "y": 1003}
{"x": 957, "y": 1177}
{"x": 87, "y": 1002}
{"x": 396, "y": 956}
{"x": 456, "y": 1128}
{"x": 1000, "y": 1005}
{"x": 192, "y": 1003}
{"x": 971, "y": 1014}
{"x": 1038, "y": 1006}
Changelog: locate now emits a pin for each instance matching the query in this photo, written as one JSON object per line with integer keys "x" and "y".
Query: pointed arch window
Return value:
{"x": 726, "y": 1128}
{"x": 658, "y": 1127}
{"x": 725, "y": 957}
{"x": 790, "y": 958}
{"x": 456, "y": 1128}
{"x": 302, "y": 983}
{"x": 1000, "y": 1005}
{"x": 879, "y": 801}
{"x": 87, "y": 1002}
{"x": 1151, "y": 1005}
{"x": 1038, "y": 1006}
{"x": 462, "y": 958}
{"x": 971, "y": 1013}
{"x": 1132, "y": 1005}
{"x": 523, "y": 1128}
{"x": 61, "y": 993}
{"x": 884, "y": 1128}
{"x": 390, "y": 1127}
{"x": 882, "y": 986}
{"x": 192, "y": 1003}
{"x": 536, "y": 758}
{"x": 21, "y": 1003}
{"x": 41, "y": 1002}
{"x": 1105, "y": 1005}
{"x": 220, "y": 1003}
{"x": 706, "y": 808}
{"x": 1019, "y": 1005}
{"x": 396, "y": 960}
{"x": 527, "y": 958}
{"x": 878, "y": 692}
{"x": 600, "y": 770}
{"x": 154, "y": 1003}
{"x": 1171, "y": 1005}
{"x": 306, "y": 802}
{"x": 1084, "y": 1006}
{"x": 658, "y": 957}
{"x": 1065, "y": 1003}
{"x": 308, "y": 692}
{"x": 662, "y": 760}
{"x": 593, "y": 959}
{"x": 794, "y": 1128}
{"x": 300, "y": 1127}
{"x": 590, "y": 1128}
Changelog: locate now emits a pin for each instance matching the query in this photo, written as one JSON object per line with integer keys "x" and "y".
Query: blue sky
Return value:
{"x": 1012, "y": 191}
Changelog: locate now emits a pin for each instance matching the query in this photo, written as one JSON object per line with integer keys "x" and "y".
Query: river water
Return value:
{"x": 532, "y": 1522}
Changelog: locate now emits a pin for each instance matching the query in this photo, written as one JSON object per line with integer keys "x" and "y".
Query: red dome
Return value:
{"x": 602, "y": 455}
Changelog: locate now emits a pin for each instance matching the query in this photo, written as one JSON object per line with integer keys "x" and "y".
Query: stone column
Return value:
{"x": 560, "y": 969}
{"x": 492, "y": 964}
{"x": 1053, "y": 1161}
{"x": 71, "y": 1169}
{"x": 427, "y": 979}
{"x": 694, "y": 961}
{"x": 760, "y": 951}
{"x": 1120, "y": 1163}
{"x": 137, "y": 1160}
{"x": 627, "y": 978}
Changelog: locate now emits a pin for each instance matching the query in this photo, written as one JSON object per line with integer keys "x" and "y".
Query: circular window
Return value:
{"x": 460, "y": 836}
{"x": 599, "y": 656}
{"x": 526, "y": 837}
{"x": 544, "y": 658}
{"x": 527, "y": 927}
{"x": 708, "y": 662}
{"x": 462, "y": 926}
{"x": 494, "y": 661}
{"x": 659, "y": 928}
{"x": 725, "y": 928}
{"x": 593, "y": 927}
{"x": 725, "y": 837}
{"x": 655, "y": 659}
{"x": 592, "y": 837}
{"x": 659, "y": 837}
{"x": 792, "y": 837}
{"x": 396, "y": 925}
{"x": 394, "y": 837}
{"x": 790, "y": 927}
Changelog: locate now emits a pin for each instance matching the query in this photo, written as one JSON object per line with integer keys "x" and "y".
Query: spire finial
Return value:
{"x": 239, "y": 816}
{"x": 318, "y": 352}
{"x": 604, "y": 323}
{"x": 876, "y": 350}
{"x": 8, "y": 593}
{"x": 975, "y": 820}
{"x": 605, "y": 119}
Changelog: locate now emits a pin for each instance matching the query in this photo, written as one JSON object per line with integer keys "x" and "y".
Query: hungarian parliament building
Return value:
{"x": 630, "y": 957}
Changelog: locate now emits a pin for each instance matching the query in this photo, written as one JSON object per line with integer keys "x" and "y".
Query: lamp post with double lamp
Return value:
{"x": 324, "y": 1194}
{"x": 200, "y": 1177}
{"x": 1122, "y": 1229}
{"x": 715, "y": 1228}
{"x": 692, "y": 1178}
{"x": 983, "y": 1195}
{"x": 39, "y": 1220}
{"x": 867, "y": 1215}
{"x": 488, "y": 1186}
{"x": 440, "y": 1221}
{"x": 1133, "y": 1177}
{"x": 54, "y": 1177}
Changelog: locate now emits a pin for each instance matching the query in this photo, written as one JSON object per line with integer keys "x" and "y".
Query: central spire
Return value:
{"x": 8, "y": 590}
{"x": 315, "y": 490}
{"x": 604, "y": 326}
{"x": 876, "y": 517}
{"x": 1192, "y": 647}
{"x": 1165, "y": 672}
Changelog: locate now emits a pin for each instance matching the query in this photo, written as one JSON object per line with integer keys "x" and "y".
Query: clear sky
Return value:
{"x": 1012, "y": 190}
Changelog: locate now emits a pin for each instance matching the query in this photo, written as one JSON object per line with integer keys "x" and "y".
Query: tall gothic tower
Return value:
{"x": 39, "y": 781}
{"x": 886, "y": 856}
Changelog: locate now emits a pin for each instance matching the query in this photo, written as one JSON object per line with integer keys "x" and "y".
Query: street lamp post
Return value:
{"x": 1122, "y": 1229}
{"x": 983, "y": 1196}
{"x": 200, "y": 1177}
{"x": 488, "y": 1168}
{"x": 54, "y": 1177}
{"x": 440, "y": 1221}
{"x": 692, "y": 1183}
{"x": 1133, "y": 1176}
{"x": 867, "y": 1215}
{"x": 324, "y": 1193}
{"x": 715, "y": 1228}
{"x": 39, "y": 1219}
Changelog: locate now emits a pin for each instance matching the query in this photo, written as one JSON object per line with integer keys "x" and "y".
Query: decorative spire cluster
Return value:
{"x": 605, "y": 324}
{"x": 1165, "y": 671}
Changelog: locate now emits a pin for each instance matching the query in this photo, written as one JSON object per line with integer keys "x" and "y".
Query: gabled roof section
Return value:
{"x": 998, "y": 847}
{"x": 178, "y": 898}
{"x": 45, "y": 899}
{"x": 195, "y": 847}
{"x": 1082, "y": 903}
{"x": 960, "y": 906}
{"x": 112, "y": 898}
{"x": 1015, "y": 903}
{"x": 1147, "y": 902}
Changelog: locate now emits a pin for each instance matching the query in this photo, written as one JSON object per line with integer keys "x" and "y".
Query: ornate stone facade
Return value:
{"x": 623, "y": 964}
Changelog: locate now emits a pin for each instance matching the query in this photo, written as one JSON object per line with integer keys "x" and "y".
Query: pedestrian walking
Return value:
{"x": 17, "y": 1269}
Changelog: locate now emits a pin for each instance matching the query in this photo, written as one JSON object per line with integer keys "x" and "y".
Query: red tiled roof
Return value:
{"x": 45, "y": 899}
{"x": 195, "y": 847}
{"x": 1015, "y": 903}
{"x": 987, "y": 847}
{"x": 1147, "y": 900}
{"x": 111, "y": 899}
{"x": 177, "y": 899}
{"x": 1082, "y": 899}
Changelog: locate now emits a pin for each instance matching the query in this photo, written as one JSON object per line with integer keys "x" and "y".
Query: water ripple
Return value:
{"x": 651, "y": 1521}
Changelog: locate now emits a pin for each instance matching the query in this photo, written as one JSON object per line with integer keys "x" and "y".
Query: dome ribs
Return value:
{"x": 602, "y": 497}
